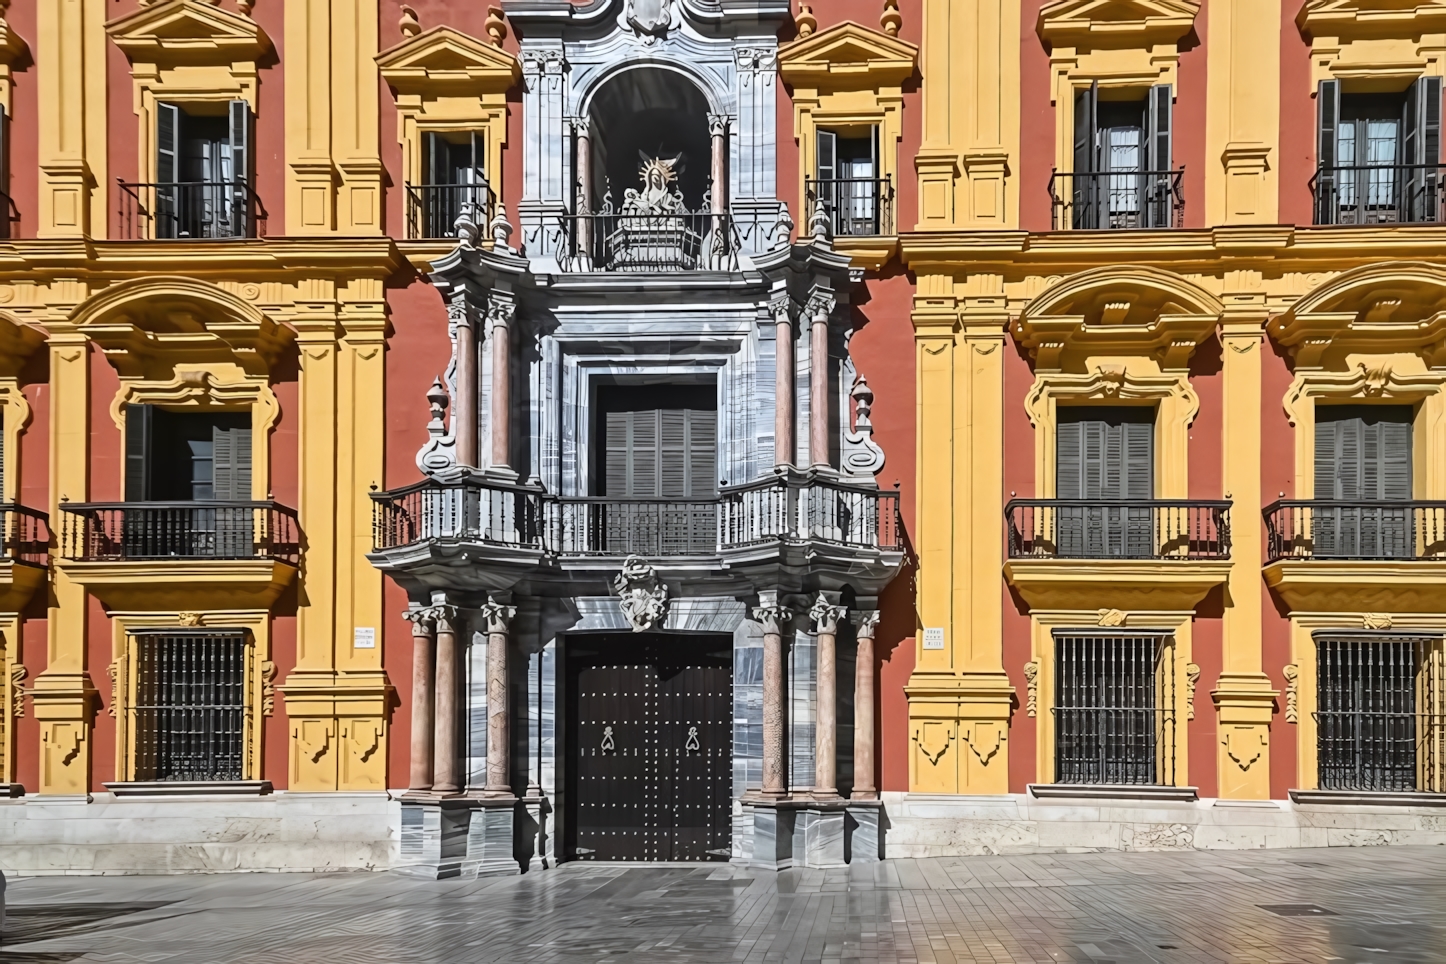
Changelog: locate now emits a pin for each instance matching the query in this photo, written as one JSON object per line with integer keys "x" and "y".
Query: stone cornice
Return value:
{"x": 269, "y": 258}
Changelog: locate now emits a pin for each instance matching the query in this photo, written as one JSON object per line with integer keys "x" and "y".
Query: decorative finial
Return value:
{"x": 818, "y": 224}
{"x": 891, "y": 20}
{"x": 465, "y": 228}
{"x": 437, "y": 399}
{"x": 501, "y": 229}
{"x": 496, "y": 26}
{"x": 409, "y": 25}
{"x": 806, "y": 22}
{"x": 244, "y": 7}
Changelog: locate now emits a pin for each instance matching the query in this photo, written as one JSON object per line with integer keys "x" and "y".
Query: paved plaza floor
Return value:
{"x": 1348, "y": 905}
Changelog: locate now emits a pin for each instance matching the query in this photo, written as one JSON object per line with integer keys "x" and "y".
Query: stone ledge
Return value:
{"x": 189, "y": 788}
{"x": 1110, "y": 791}
{"x": 1364, "y": 798}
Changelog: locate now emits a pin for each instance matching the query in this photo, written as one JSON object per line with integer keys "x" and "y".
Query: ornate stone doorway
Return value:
{"x": 651, "y": 747}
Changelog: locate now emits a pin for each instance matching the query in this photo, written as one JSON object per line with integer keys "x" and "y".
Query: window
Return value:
{"x": 187, "y": 465}
{"x": 657, "y": 468}
{"x": 847, "y": 183}
{"x": 1379, "y": 722}
{"x": 202, "y": 187}
{"x": 453, "y": 175}
{"x": 1122, "y": 175}
{"x": 190, "y": 705}
{"x": 1114, "y": 708}
{"x": 1105, "y": 459}
{"x": 1378, "y": 154}
{"x": 1363, "y": 477}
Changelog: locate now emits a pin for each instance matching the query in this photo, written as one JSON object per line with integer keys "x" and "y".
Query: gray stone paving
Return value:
{"x": 1351, "y": 906}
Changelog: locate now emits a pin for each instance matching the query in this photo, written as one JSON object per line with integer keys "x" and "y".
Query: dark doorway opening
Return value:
{"x": 650, "y": 747}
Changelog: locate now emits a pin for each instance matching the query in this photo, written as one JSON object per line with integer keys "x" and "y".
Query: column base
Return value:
{"x": 455, "y": 836}
{"x": 773, "y": 833}
{"x": 491, "y": 838}
{"x": 818, "y": 837}
{"x": 796, "y": 833}
{"x": 864, "y": 840}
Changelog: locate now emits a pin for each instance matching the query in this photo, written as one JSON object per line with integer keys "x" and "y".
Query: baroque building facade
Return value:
{"x": 464, "y": 439}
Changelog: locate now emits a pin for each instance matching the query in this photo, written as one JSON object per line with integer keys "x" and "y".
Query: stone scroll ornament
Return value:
{"x": 650, "y": 17}
{"x": 641, "y": 595}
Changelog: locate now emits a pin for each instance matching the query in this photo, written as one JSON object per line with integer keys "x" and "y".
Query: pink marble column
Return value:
{"x": 497, "y": 616}
{"x": 783, "y": 440}
{"x": 826, "y": 617}
{"x": 819, "y": 308}
{"x": 775, "y": 620}
{"x": 499, "y": 315}
{"x": 423, "y": 626}
{"x": 864, "y": 789}
{"x": 718, "y": 131}
{"x": 582, "y": 126}
{"x": 446, "y": 756}
{"x": 464, "y": 418}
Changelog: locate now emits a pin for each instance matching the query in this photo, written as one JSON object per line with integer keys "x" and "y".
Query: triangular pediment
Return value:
{"x": 187, "y": 31}
{"x": 848, "y": 49}
{"x": 1389, "y": 18}
{"x": 1116, "y": 22}
{"x": 443, "y": 56}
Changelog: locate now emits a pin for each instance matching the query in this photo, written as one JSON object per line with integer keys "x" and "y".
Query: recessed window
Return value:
{"x": 1378, "y": 154}
{"x": 1363, "y": 482}
{"x": 453, "y": 175}
{"x": 202, "y": 186}
{"x": 1114, "y": 711}
{"x": 1122, "y": 173}
{"x": 1104, "y": 479}
{"x": 846, "y": 181}
{"x": 190, "y": 706}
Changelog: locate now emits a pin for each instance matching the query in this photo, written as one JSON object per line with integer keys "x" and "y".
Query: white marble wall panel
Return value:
{"x": 802, "y": 701}
{"x": 476, "y": 740}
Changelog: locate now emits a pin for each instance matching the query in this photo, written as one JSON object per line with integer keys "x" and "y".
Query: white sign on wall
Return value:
{"x": 364, "y": 637}
{"x": 933, "y": 637}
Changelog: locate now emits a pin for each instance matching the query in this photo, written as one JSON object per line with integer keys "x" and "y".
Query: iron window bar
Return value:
{"x": 855, "y": 206}
{"x": 190, "y": 711}
{"x": 1114, "y": 708}
{"x": 189, "y": 210}
{"x": 1402, "y": 530}
{"x": 94, "y": 531}
{"x": 1359, "y": 194}
{"x": 1117, "y": 200}
{"x": 433, "y": 209}
{"x": 1380, "y": 725}
{"x": 1118, "y": 528}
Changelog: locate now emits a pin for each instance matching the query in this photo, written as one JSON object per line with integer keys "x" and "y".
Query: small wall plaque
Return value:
{"x": 933, "y": 637}
{"x": 364, "y": 637}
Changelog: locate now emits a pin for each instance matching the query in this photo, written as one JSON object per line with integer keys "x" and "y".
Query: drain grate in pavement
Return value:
{"x": 1297, "y": 910}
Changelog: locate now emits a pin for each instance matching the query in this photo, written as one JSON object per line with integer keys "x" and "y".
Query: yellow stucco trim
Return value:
{"x": 12, "y": 695}
{"x": 1242, "y": 112}
{"x": 12, "y": 50}
{"x": 1372, "y": 48}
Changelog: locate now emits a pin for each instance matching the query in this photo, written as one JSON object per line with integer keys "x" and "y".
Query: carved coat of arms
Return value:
{"x": 649, "y": 16}
{"x": 641, "y": 596}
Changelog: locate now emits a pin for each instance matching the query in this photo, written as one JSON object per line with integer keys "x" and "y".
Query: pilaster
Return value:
{"x": 1242, "y": 117}
{"x": 355, "y": 116}
{"x": 1243, "y": 697}
{"x": 311, "y": 175}
{"x": 70, "y": 43}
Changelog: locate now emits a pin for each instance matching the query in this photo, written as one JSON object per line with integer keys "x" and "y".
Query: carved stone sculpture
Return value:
{"x": 641, "y": 595}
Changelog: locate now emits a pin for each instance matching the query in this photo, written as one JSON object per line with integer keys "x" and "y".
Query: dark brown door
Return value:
{"x": 652, "y": 747}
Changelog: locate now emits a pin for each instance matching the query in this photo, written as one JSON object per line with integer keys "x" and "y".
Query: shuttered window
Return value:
{"x": 1362, "y": 456}
{"x": 186, "y": 456}
{"x": 1104, "y": 460}
{"x": 668, "y": 453}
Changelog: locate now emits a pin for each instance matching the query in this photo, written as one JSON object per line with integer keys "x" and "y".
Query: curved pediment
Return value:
{"x": 1116, "y": 23}
{"x": 1396, "y": 306}
{"x": 847, "y": 55}
{"x": 188, "y": 32}
{"x": 1112, "y": 310}
{"x": 442, "y": 57}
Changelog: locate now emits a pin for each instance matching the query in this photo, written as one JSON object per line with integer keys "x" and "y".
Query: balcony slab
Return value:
{"x": 1350, "y": 585}
{"x": 18, "y": 582}
{"x": 149, "y": 585}
{"x": 1172, "y": 585}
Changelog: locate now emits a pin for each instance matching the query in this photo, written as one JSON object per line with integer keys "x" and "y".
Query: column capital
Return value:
{"x": 866, "y": 623}
{"x": 717, "y": 125}
{"x": 821, "y": 303}
{"x": 497, "y": 614}
{"x": 423, "y": 621}
{"x": 501, "y": 308}
{"x": 826, "y": 616}
{"x": 771, "y": 614}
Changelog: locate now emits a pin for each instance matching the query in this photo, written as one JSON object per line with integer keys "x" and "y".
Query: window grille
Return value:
{"x": 190, "y": 708}
{"x": 1114, "y": 709}
{"x": 1379, "y": 717}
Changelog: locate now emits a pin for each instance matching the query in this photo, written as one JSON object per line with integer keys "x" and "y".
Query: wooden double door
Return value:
{"x": 651, "y": 747}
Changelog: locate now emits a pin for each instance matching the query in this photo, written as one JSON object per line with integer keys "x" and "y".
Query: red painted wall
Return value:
{"x": 1297, "y": 123}
{"x": 24, "y": 131}
{"x": 1017, "y": 629}
{"x": 1277, "y": 480}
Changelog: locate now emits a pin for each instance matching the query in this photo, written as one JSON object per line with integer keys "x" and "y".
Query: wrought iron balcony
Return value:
{"x": 26, "y": 534}
{"x": 136, "y": 531}
{"x": 1379, "y": 194}
{"x": 856, "y": 206}
{"x": 9, "y": 216}
{"x": 182, "y": 210}
{"x": 1096, "y": 201}
{"x": 1118, "y": 529}
{"x": 1326, "y": 529}
{"x": 773, "y": 510}
{"x": 433, "y": 209}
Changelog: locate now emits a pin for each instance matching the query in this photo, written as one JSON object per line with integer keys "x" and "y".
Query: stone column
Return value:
{"x": 864, "y": 789}
{"x": 783, "y": 441}
{"x": 446, "y": 766}
{"x": 464, "y": 416}
{"x": 820, "y": 306}
{"x": 582, "y": 202}
{"x": 500, "y": 311}
{"x": 423, "y": 626}
{"x": 774, "y": 618}
{"x": 497, "y": 615}
{"x": 718, "y": 131}
{"x": 825, "y": 617}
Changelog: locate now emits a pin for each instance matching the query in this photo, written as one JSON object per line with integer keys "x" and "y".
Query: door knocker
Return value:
{"x": 692, "y": 743}
{"x": 607, "y": 743}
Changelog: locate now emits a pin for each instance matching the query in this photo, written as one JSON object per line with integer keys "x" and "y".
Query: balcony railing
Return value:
{"x": 1118, "y": 529}
{"x": 1379, "y": 194}
{"x": 742, "y": 516}
{"x": 685, "y": 241}
{"x": 1325, "y": 529}
{"x": 134, "y": 531}
{"x": 856, "y": 206}
{"x": 433, "y": 209}
{"x": 9, "y": 216}
{"x": 189, "y": 210}
{"x": 1117, "y": 200}
{"x": 26, "y": 534}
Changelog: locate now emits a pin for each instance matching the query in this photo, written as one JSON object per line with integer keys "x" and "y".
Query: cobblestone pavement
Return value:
{"x": 1367, "y": 905}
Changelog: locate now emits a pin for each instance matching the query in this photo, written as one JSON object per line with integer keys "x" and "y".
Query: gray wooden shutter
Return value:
{"x": 1085, "y": 189}
{"x": 240, "y": 174}
{"x": 673, "y": 453}
{"x": 168, "y": 143}
{"x": 702, "y": 453}
{"x": 138, "y": 447}
{"x": 1328, "y": 116}
{"x": 1158, "y": 156}
{"x": 632, "y": 454}
{"x": 826, "y": 166}
{"x": 231, "y": 463}
{"x": 5, "y": 172}
{"x": 615, "y": 472}
{"x": 1421, "y": 144}
{"x": 1363, "y": 454}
